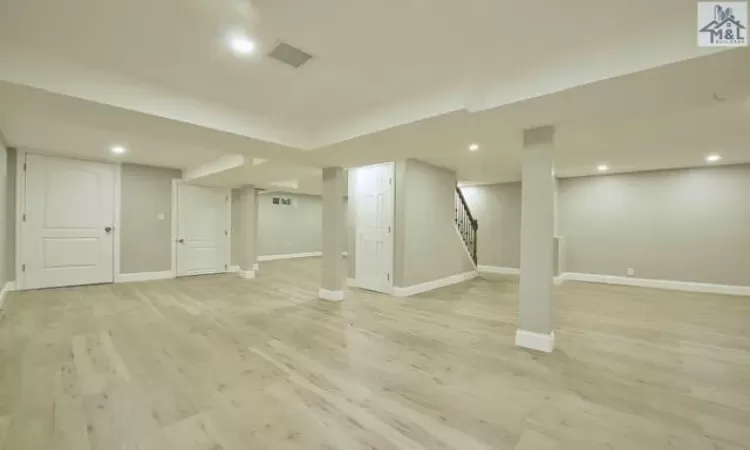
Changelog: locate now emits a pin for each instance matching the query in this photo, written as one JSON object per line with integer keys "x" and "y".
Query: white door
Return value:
{"x": 202, "y": 230}
{"x": 374, "y": 227}
{"x": 68, "y": 223}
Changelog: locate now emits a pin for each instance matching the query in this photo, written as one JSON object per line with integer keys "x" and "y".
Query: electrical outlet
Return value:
{"x": 631, "y": 271}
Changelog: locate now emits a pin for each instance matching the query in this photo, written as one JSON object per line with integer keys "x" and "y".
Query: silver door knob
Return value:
{"x": 107, "y": 230}
{"x": 181, "y": 241}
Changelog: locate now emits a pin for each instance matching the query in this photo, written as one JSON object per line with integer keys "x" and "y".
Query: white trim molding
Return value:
{"x": 351, "y": 282}
{"x": 173, "y": 227}
{"x": 659, "y": 284}
{"x": 289, "y": 256}
{"x": 117, "y": 239}
{"x": 333, "y": 296}
{"x": 143, "y": 276}
{"x": 10, "y": 286}
{"x": 247, "y": 274}
{"x": 499, "y": 270}
{"x": 535, "y": 341}
{"x": 234, "y": 269}
{"x": 432, "y": 285}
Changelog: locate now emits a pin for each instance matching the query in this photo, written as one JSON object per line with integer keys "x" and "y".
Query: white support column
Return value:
{"x": 248, "y": 231}
{"x": 334, "y": 227}
{"x": 536, "y": 308}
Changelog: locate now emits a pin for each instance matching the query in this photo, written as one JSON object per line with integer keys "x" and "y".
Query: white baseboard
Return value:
{"x": 514, "y": 271}
{"x": 294, "y": 255}
{"x": 334, "y": 296}
{"x": 256, "y": 267}
{"x": 248, "y": 274}
{"x": 289, "y": 256}
{"x": 235, "y": 269}
{"x": 660, "y": 284}
{"x": 499, "y": 270}
{"x": 535, "y": 341}
{"x": 351, "y": 282}
{"x": 143, "y": 276}
{"x": 432, "y": 285}
{"x": 10, "y": 286}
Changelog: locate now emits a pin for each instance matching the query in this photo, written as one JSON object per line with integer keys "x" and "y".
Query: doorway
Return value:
{"x": 67, "y": 222}
{"x": 202, "y": 230}
{"x": 374, "y": 203}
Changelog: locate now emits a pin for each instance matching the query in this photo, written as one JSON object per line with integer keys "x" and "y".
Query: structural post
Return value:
{"x": 536, "y": 308}
{"x": 248, "y": 231}
{"x": 334, "y": 227}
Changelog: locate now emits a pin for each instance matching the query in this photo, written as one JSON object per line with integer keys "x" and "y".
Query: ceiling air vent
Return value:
{"x": 289, "y": 55}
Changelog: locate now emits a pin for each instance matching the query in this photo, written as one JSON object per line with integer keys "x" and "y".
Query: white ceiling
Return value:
{"x": 389, "y": 79}
{"x": 367, "y": 55}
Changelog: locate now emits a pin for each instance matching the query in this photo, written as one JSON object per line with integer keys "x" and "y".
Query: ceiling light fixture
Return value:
{"x": 474, "y": 147}
{"x": 241, "y": 45}
{"x": 118, "y": 149}
{"x": 713, "y": 157}
{"x": 602, "y": 167}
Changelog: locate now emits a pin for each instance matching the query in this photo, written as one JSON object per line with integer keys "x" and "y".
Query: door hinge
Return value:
{"x": 390, "y": 181}
{"x": 226, "y": 267}
{"x": 24, "y": 217}
{"x": 24, "y": 167}
{"x": 388, "y": 276}
{"x": 389, "y": 230}
{"x": 226, "y": 233}
{"x": 23, "y": 267}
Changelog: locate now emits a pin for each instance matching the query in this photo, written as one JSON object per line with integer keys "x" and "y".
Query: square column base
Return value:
{"x": 535, "y": 341}
{"x": 249, "y": 274}
{"x": 333, "y": 296}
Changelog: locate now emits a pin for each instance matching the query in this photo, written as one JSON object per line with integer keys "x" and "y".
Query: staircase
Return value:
{"x": 467, "y": 224}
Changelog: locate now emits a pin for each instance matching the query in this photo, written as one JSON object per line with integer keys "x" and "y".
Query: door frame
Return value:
{"x": 390, "y": 241}
{"x": 20, "y": 278}
{"x": 175, "y": 205}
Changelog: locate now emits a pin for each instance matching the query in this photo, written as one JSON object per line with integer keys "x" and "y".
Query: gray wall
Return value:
{"x": 498, "y": 210}
{"x": 296, "y": 228}
{"x": 282, "y": 229}
{"x": 145, "y": 240}
{"x": 427, "y": 246}
{"x": 6, "y": 260}
{"x": 682, "y": 225}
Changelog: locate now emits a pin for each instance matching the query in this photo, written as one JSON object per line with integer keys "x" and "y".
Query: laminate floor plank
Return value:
{"x": 225, "y": 363}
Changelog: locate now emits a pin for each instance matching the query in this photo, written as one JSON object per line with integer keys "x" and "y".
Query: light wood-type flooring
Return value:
{"x": 224, "y": 363}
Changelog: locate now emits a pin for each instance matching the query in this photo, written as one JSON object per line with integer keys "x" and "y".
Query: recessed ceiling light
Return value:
{"x": 713, "y": 157}
{"x": 118, "y": 149}
{"x": 241, "y": 45}
{"x": 474, "y": 147}
{"x": 602, "y": 167}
